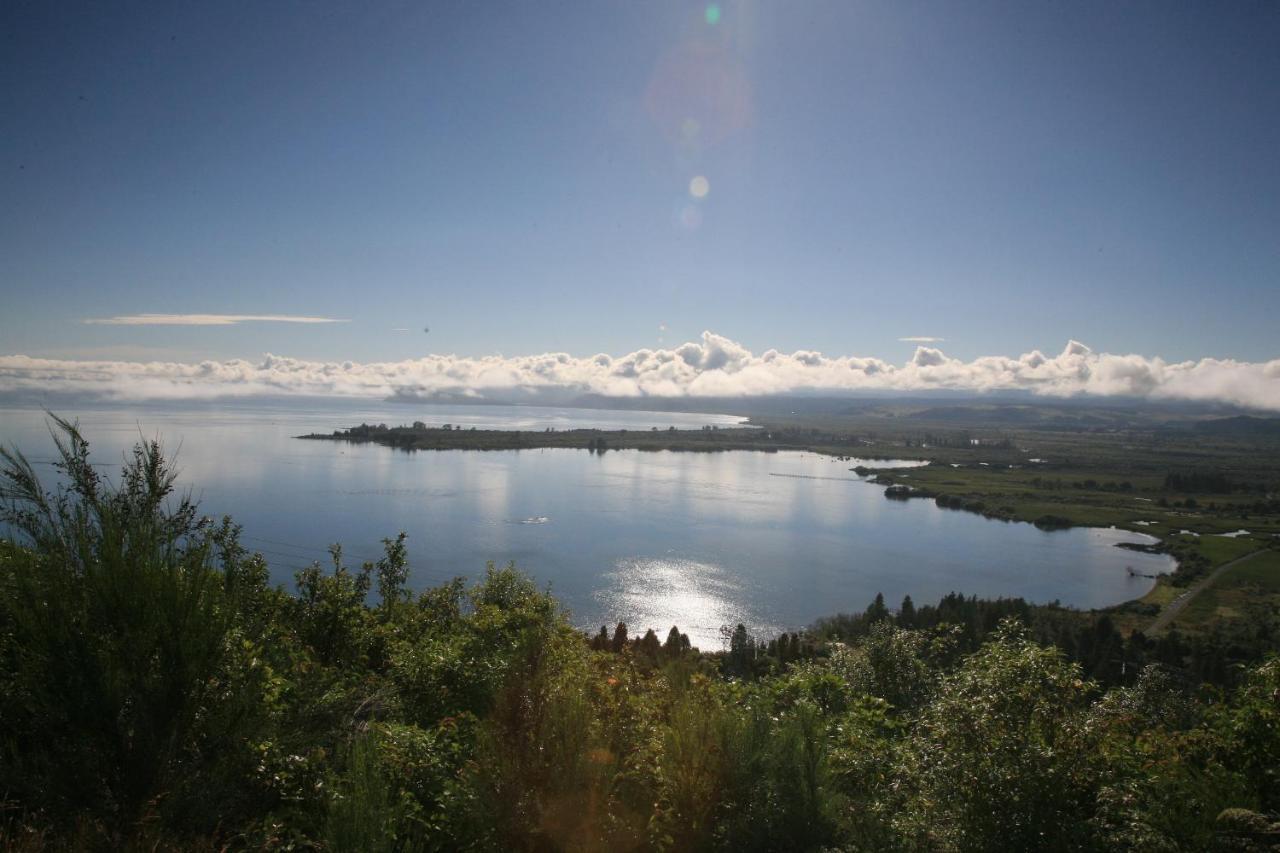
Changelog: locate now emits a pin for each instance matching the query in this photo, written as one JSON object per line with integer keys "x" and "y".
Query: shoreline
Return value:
{"x": 717, "y": 440}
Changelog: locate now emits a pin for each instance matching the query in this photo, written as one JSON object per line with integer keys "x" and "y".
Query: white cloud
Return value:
{"x": 929, "y": 357}
{"x": 203, "y": 319}
{"x": 712, "y": 366}
{"x": 922, "y": 339}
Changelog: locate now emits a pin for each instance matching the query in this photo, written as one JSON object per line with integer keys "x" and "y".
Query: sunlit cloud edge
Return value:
{"x": 714, "y": 366}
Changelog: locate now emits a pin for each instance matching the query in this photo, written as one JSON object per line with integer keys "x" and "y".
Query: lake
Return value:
{"x": 772, "y": 540}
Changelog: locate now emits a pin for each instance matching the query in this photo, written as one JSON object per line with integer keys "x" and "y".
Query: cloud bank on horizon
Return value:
{"x": 715, "y": 366}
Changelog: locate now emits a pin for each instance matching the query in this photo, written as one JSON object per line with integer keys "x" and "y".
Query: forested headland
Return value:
{"x": 158, "y": 693}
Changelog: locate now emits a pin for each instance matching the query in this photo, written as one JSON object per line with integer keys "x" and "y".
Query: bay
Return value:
{"x": 698, "y": 540}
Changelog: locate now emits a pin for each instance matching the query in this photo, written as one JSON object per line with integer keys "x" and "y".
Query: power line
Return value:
{"x": 310, "y": 549}
{"x": 323, "y": 555}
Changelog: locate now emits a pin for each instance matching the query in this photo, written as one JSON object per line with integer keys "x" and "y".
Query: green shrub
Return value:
{"x": 128, "y": 661}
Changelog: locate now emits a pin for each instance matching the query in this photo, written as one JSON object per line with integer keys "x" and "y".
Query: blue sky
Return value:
{"x": 517, "y": 177}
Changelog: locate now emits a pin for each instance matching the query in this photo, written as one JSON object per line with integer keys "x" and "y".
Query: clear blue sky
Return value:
{"x": 517, "y": 176}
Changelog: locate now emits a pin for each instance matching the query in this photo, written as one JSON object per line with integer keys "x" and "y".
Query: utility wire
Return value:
{"x": 322, "y": 555}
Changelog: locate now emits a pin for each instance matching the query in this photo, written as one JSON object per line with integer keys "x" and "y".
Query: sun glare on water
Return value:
{"x": 698, "y": 598}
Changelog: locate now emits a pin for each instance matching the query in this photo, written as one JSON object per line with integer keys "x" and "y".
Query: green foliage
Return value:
{"x": 1251, "y": 728}
{"x": 892, "y": 664}
{"x": 393, "y": 573}
{"x": 693, "y": 762}
{"x": 332, "y": 620}
{"x": 363, "y": 812}
{"x": 996, "y": 760}
{"x": 1160, "y": 775}
{"x": 156, "y": 693}
{"x": 426, "y": 767}
{"x": 539, "y": 779}
{"x": 131, "y": 630}
{"x": 775, "y": 791}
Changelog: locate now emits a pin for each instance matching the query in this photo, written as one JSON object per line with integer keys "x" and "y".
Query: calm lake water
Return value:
{"x": 654, "y": 539}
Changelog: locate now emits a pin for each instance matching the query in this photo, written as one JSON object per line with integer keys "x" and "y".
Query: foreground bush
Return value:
{"x": 157, "y": 693}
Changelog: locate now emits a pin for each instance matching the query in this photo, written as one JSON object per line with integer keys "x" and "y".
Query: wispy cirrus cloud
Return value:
{"x": 922, "y": 339}
{"x": 714, "y": 366}
{"x": 203, "y": 319}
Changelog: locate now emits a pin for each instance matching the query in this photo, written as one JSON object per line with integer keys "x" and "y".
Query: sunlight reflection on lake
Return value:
{"x": 698, "y": 540}
{"x": 699, "y": 598}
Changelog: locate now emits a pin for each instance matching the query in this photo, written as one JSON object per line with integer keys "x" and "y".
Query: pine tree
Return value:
{"x": 672, "y": 648}
{"x": 907, "y": 614}
{"x": 650, "y": 646}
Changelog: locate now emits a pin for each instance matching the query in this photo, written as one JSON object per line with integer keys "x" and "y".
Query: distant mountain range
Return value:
{"x": 1242, "y": 426}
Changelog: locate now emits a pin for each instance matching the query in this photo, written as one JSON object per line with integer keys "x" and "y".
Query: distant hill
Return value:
{"x": 1241, "y": 426}
{"x": 1042, "y": 416}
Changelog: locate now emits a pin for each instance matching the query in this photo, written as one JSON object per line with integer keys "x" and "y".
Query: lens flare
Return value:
{"x": 699, "y": 95}
{"x": 713, "y": 14}
{"x": 699, "y": 187}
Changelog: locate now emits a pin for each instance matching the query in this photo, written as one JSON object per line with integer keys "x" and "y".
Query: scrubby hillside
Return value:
{"x": 157, "y": 693}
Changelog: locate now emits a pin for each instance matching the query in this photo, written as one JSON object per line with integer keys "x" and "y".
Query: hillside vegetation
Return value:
{"x": 157, "y": 693}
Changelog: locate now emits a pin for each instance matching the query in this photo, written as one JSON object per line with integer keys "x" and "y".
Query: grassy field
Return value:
{"x": 1087, "y": 466}
{"x": 1198, "y": 557}
{"x": 1234, "y": 593}
{"x": 1091, "y": 494}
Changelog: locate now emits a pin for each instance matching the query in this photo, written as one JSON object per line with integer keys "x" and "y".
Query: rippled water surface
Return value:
{"x": 655, "y": 539}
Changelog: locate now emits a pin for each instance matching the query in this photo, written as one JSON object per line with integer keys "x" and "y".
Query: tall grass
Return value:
{"x": 362, "y": 815}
